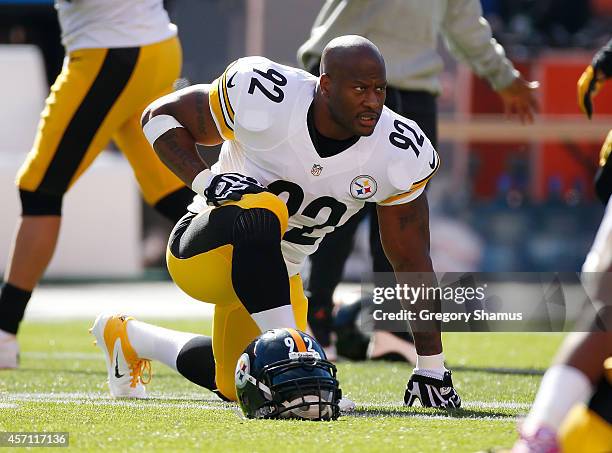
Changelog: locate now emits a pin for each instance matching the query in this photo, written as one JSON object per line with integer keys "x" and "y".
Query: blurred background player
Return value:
{"x": 119, "y": 57}
{"x": 589, "y": 84}
{"x": 573, "y": 408}
{"x": 407, "y": 34}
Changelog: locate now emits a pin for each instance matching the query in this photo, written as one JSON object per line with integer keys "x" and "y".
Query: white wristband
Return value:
{"x": 202, "y": 181}
{"x": 159, "y": 125}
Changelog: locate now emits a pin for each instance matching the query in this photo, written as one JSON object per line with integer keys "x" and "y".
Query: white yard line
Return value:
{"x": 429, "y": 417}
{"x": 91, "y": 396}
{"x": 497, "y": 405}
{"x": 38, "y": 355}
{"x": 465, "y": 405}
{"x": 131, "y": 403}
{"x": 8, "y": 406}
{"x": 193, "y": 402}
{"x": 97, "y": 399}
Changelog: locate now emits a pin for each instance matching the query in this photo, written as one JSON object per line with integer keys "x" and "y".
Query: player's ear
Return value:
{"x": 325, "y": 83}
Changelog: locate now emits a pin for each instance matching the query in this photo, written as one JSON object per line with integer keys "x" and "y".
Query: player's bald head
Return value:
{"x": 352, "y": 85}
{"x": 348, "y": 54}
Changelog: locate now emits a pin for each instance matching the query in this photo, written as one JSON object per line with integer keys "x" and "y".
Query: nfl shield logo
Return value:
{"x": 316, "y": 170}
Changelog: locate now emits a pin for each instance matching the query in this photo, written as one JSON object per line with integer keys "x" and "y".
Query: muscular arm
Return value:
{"x": 176, "y": 147}
{"x": 404, "y": 232}
{"x": 469, "y": 38}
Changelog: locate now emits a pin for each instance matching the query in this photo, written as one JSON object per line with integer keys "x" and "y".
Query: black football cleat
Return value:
{"x": 432, "y": 392}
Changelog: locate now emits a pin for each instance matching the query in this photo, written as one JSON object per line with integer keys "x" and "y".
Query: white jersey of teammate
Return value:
{"x": 260, "y": 108}
{"x": 94, "y": 24}
{"x": 599, "y": 258}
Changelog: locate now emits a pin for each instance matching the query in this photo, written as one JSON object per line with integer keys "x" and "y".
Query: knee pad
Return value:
{"x": 256, "y": 225}
{"x": 40, "y": 204}
{"x": 268, "y": 200}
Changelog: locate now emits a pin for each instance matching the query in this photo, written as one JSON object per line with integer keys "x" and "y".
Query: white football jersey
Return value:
{"x": 93, "y": 24}
{"x": 260, "y": 108}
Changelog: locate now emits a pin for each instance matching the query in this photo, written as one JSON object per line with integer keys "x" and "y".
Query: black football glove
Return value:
{"x": 230, "y": 187}
{"x": 587, "y": 87}
{"x": 593, "y": 77}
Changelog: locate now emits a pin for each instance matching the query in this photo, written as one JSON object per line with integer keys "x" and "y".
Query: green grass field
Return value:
{"x": 61, "y": 387}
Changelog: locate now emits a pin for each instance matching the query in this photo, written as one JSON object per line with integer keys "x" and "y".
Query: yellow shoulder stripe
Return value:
{"x": 228, "y": 104}
{"x": 414, "y": 187}
{"x": 223, "y": 125}
{"x": 401, "y": 196}
{"x": 221, "y": 107}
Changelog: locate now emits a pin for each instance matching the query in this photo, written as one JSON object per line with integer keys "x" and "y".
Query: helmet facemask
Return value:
{"x": 304, "y": 388}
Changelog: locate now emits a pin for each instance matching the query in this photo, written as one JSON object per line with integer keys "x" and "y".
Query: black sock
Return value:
{"x": 196, "y": 362}
{"x": 13, "y": 302}
{"x": 601, "y": 401}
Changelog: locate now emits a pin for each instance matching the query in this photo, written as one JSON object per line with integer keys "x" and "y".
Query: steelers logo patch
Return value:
{"x": 363, "y": 187}
{"x": 243, "y": 368}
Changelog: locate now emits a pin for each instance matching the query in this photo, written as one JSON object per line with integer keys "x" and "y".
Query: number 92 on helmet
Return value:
{"x": 284, "y": 373}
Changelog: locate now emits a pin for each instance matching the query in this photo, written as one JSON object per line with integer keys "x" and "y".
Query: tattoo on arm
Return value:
{"x": 201, "y": 105}
{"x": 183, "y": 162}
{"x": 406, "y": 220}
{"x": 417, "y": 217}
{"x": 412, "y": 224}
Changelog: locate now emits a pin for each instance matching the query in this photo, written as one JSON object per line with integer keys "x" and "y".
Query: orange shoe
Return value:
{"x": 125, "y": 368}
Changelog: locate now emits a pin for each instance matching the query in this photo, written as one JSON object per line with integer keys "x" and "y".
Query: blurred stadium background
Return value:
{"x": 508, "y": 197}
